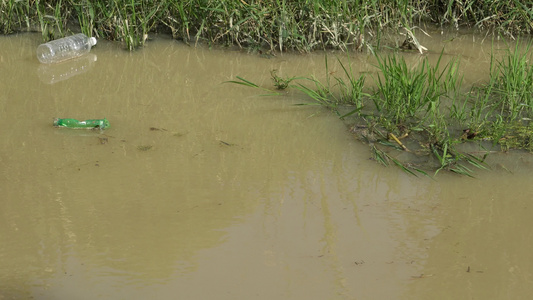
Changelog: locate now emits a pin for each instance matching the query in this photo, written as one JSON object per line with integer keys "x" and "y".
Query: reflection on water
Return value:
{"x": 52, "y": 73}
{"x": 207, "y": 191}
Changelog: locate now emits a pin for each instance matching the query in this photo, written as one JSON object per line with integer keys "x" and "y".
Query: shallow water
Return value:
{"x": 204, "y": 190}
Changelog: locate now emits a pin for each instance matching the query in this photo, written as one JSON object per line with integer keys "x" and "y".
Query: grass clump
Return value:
{"x": 417, "y": 118}
{"x": 514, "y": 84}
{"x": 402, "y": 93}
{"x": 502, "y": 109}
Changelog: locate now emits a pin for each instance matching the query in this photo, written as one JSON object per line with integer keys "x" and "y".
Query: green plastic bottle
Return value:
{"x": 87, "y": 124}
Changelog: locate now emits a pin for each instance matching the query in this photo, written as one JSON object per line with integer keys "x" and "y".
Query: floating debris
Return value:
{"x": 144, "y": 147}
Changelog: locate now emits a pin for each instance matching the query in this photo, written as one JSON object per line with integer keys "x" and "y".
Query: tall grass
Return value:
{"x": 402, "y": 92}
{"x": 301, "y": 25}
{"x": 16, "y": 15}
{"x": 511, "y": 17}
{"x": 514, "y": 84}
{"x": 412, "y": 96}
{"x": 502, "y": 109}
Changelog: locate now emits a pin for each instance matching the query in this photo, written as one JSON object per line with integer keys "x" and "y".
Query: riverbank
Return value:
{"x": 260, "y": 25}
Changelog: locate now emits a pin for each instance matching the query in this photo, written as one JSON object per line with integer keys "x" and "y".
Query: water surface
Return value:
{"x": 205, "y": 190}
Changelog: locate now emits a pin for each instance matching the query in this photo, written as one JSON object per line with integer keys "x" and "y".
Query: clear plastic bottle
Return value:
{"x": 65, "y": 48}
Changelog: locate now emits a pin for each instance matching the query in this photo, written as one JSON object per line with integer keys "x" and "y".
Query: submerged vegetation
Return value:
{"x": 301, "y": 25}
{"x": 419, "y": 119}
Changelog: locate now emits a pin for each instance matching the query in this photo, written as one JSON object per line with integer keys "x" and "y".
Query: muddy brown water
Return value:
{"x": 205, "y": 190}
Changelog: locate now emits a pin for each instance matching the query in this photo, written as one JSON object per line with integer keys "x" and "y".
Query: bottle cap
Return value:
{"x": 92, "y": 41}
